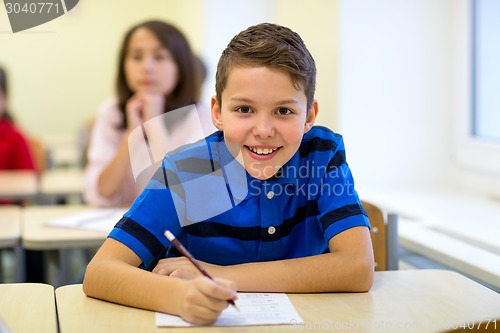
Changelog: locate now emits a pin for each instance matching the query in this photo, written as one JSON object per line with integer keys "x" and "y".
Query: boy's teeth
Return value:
{"x": 261, "y": 151}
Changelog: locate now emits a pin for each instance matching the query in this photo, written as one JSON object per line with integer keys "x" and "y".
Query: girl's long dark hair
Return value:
{"x": 186, "y": 90}
{"x": 3, "y": 87}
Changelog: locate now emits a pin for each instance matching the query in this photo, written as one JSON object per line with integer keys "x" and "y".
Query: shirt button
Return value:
{"x": 271, "y": 230}
{"x": 270, "y": 194}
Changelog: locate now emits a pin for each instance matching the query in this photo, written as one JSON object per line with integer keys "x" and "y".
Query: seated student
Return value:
{"x": 15, "y": 154}
{"x": 297, "y": 224}
{"x": 157, "y": 73}
{"x": 14, "y": 150}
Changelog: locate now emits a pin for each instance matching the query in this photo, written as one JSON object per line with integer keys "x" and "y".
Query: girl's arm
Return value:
{"x": 113, "y": 174}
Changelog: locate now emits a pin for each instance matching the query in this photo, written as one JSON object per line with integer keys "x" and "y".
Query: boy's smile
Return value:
{"x": 263, "y": 117}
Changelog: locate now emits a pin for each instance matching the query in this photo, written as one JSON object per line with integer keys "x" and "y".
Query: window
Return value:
{"x": 477, "y": 87}
{"x": 486, "y": 70}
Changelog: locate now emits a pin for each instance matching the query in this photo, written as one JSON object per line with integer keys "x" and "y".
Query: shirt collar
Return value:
{"x": 239, "y": 180}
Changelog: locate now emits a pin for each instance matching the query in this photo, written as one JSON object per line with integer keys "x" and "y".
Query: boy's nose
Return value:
{"x": 264, "y": 128}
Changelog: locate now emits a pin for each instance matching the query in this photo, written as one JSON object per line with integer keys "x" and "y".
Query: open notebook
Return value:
{"x": 97, "y": 219}
{"x": 255, "y": 309}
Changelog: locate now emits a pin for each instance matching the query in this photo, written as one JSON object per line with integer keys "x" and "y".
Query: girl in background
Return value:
{"x": 14, "y": 150}
{"x": 156, "y": 74}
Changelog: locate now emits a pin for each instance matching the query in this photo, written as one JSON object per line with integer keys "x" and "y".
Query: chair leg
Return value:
{"x": 20, "y": 264}
{"x": 392, "y": 242}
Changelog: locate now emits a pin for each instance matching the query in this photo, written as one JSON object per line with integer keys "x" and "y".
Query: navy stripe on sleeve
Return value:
{"x": 340, "y": 214}
{"x": 139, "y": 232}
{"x": 337, "y": 160}
{"x": 316, "y": 145}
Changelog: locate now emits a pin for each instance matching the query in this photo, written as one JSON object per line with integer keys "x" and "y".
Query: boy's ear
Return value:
{"x": 311, "y": 116}
{"x": 216, "y": 114}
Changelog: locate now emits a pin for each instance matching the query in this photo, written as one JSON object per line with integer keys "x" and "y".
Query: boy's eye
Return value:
{"x": 244, "y": 109}
{"x": 284, "y": 111}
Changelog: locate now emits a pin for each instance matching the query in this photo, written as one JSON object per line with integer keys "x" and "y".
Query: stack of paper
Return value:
{"x": 97, "y": 219}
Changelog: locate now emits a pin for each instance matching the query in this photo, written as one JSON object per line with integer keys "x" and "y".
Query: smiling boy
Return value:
{"x": 298, "y": 226}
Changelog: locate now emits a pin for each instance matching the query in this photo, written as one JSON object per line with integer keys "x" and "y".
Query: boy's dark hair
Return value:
{"x": 186, "y": 90}
{"x": 3, "y": 88}
{"x": 273, "y": 46}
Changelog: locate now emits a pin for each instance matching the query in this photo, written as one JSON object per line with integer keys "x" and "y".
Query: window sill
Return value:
{"x": 453, "y": 228}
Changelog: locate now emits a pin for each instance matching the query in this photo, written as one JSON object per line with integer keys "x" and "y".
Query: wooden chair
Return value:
{"x": 384, "y": 235}
{"x": 39, "y": 153}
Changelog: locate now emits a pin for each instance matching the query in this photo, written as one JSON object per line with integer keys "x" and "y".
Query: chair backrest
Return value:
{"x": 39, "y": 153}
{"x": 384, "y": 237}
{"x": 378, "y": 234}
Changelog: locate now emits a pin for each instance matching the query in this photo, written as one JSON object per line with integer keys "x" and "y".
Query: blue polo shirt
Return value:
{"x": 224, "y": 216}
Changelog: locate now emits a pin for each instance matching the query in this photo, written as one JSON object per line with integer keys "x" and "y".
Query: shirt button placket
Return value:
{"x": 268, "y": 249}
{"x": 271, "y": 230}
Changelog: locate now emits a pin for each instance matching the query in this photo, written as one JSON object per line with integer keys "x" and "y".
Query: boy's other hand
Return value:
{"x": 180, "y": 267}
{"x": 205, "y": 299}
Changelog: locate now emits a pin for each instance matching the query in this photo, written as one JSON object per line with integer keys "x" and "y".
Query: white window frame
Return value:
{"x": 471, "y": 152}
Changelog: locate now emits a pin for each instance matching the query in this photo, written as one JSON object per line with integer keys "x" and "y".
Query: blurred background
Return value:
{"x": 393, "y": 76}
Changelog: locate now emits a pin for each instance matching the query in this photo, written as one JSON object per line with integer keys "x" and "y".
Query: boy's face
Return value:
{"x": 263, "y": 117}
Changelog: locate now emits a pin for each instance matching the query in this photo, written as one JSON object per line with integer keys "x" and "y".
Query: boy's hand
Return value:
{"x": 204, "y": 300}
{"x": 180, "y": 267}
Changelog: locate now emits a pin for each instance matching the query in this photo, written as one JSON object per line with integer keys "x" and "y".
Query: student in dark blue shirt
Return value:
{"x": 266, "y": 204}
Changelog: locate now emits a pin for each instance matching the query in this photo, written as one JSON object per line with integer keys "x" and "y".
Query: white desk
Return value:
{"x": 28, "y": 307}
{"x": 456, "y": 229}
{"x": 62, "y": 182}
{"x": 36, "y": 235}
{"x": 10, "y": 226}
{"x": 399, "y": 301}
{"x": 10, "y": 237}
{"x": 16, "y": 184}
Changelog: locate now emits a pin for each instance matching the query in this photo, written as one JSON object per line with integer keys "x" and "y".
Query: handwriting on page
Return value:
{"x": 255, "y": 309}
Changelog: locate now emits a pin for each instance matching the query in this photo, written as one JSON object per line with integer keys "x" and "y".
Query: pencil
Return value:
{"x": 188, "y": 255}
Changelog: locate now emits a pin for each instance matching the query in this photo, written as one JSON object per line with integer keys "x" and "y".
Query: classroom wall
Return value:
{"x": 61, "y": 71}
{"x": 317, "y": 23}
{"x": 396, "y": 91}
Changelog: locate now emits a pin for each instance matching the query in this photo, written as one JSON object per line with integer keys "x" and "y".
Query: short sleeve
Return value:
{"x": 339, "y": 204}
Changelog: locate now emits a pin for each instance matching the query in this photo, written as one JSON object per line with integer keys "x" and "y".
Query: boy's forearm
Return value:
{"x": 330, "y": 272}
{"x": 121, "y": 283}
